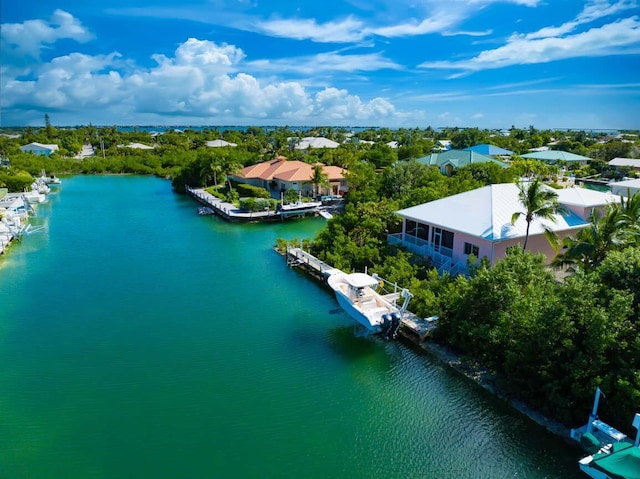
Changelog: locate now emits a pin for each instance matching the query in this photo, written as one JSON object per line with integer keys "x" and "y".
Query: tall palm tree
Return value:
{"x": 590, "y": 245}
{"x": 318, "y": 178}
{"x": 539, "y": 202}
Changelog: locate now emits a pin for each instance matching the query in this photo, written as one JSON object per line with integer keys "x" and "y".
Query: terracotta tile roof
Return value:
{"x": 285, "y": 170}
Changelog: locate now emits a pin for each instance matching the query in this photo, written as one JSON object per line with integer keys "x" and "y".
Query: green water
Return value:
{"x": 140, "y": 340}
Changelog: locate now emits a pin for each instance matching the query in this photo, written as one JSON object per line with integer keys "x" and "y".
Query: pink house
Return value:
{"x": 476, "y": 222}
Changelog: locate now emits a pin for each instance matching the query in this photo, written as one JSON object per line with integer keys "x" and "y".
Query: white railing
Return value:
{"x": 442, "y": 259}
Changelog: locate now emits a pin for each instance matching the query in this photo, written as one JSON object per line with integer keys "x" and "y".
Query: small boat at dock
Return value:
{"x": 357, "y": 294}
{"x": 51, "y": 180}
{"x": 611, "y": 454}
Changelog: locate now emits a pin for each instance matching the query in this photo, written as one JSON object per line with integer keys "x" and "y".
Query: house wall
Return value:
{"x": 494, "y": 251}
{"x": 536, "y": 244}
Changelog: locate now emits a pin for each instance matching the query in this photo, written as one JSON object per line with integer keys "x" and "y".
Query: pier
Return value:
{"x": 412, "y": 326}
{"x": 231, "y": 212}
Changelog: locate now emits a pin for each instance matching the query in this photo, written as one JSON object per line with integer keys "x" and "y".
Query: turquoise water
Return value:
{"x": 140, "y": 340}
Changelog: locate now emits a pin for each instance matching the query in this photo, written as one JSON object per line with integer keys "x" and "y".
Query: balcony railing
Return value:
{"x": 442, "y": 258}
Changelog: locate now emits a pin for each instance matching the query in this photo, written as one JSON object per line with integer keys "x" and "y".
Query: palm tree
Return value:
{"x": 318, "y": 178}
{"x": 630, "y": 209}
{"x": 539, "y": 202}
{"x": 590, "y": 245}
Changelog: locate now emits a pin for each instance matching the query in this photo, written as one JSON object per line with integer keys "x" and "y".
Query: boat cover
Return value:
{"x": 360, "y": 280}
{"x": 622, "y": 463}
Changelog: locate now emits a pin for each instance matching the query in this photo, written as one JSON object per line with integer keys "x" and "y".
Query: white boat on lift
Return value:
{"x": 612, "y": 455}
{"x": 357, "y": 294}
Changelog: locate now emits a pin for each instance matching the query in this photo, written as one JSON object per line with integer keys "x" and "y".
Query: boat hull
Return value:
{"x": 346, "y": 304}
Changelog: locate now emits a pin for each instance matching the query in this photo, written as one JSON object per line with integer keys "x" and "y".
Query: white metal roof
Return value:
{"x": 486, "y": 213}
{"x": 634, "y": 163}
{"x": 315, "y": 142}
{"x": 586, "y": 197}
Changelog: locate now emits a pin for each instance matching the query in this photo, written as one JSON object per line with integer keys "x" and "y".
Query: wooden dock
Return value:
{"x": 230, "y": 212}
{"x": 412, "y": 326}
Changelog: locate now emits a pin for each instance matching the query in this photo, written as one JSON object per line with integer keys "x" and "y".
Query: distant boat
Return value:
{"x": 357, "y": 294}
{"x": 51, "y": 180}
{"x": 298, "y": 208}
{"x": 612, "y": 455}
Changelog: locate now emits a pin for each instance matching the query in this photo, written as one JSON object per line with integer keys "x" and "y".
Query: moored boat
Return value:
{"x": 611, "y": 454}
{"x": 51, "y": 180}
{"x": 357, "y": 294}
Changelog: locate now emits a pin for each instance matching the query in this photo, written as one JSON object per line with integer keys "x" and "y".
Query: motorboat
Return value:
{"x": 298, "y": 208}
{"x": 51, "y": 180}
{"x": 611, "y": 454}
{"x": 358, "y": 295}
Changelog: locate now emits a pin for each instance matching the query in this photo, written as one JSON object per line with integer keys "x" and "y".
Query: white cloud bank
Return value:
{"x": 203, "y": 81}
{"x": 549, "y": 44}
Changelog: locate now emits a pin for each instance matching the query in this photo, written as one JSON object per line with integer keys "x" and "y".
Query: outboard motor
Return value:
{"x": 395, "y": 325}
{"x": 387, "y": 325}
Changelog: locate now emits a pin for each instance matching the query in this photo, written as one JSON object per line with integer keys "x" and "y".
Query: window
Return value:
{"x": 471, "y": 249}
{"x": 413, "y": 228}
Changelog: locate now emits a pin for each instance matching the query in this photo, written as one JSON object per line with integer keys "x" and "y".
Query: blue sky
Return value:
{"x": 395, "y": 63}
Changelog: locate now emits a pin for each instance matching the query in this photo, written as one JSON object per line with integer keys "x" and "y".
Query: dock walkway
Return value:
{"x": 230, "y": 212}
{"x": 412, "y": 326}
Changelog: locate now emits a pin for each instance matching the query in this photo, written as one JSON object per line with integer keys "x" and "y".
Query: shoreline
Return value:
{"x": 482, "y": 378}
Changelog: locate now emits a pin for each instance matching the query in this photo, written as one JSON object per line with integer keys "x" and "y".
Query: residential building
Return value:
{"x": 454, "y": 159}
{"x": 220, "y": 143}
{"x": 553, "y": 156}
{"x": 582, "y": 201}
{"x": 626, "y": 187}
{"x": 39, "y": 148}
{"x": 632, "y": 163}
{"x": 490, "y": 150}
{"x": 280, "y": 174}
{"x": 310, "y": 142}
{"x": 477, "y": 222}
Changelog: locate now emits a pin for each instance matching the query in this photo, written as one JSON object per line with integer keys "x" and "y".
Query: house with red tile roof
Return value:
{"x": 279, "y": 175}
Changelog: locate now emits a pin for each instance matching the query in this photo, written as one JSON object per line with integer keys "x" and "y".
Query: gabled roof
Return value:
{"x": 219, "y": 143}
{"x": 458, "y": 158}
{"x": 486, "y": 213}
{"x": 137, "y": 146}
{"x": 51, "y": 146}
{"x": 315, "y": 142}
{"x": 555, "y": 155}
{"x": 625, "y": 162}
{"x": 490, "y": 150}
{"x": 585, "y": 197}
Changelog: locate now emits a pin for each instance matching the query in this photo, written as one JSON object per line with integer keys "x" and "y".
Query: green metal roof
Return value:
{"x": 458, "y": 159}
{"x": 555, "y": 155}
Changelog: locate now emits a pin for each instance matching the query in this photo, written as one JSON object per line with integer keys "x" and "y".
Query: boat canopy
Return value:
{"x": 360, "y": 280}
{"x": 622, "y": 463}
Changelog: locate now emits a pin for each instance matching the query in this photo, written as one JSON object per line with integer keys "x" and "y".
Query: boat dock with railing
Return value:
{"x": 411, "y": 325}
{"x": 231, "y": 212}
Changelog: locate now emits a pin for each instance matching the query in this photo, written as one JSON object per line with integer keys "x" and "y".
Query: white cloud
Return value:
{"x": 347, "y": 30}
{"x": 326, "y": 62}
{"x": 592, "y": 11}
{"x": 618, "y": 38}
{"x": 202, "y": 81}
{"x": 29, "y": 37}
